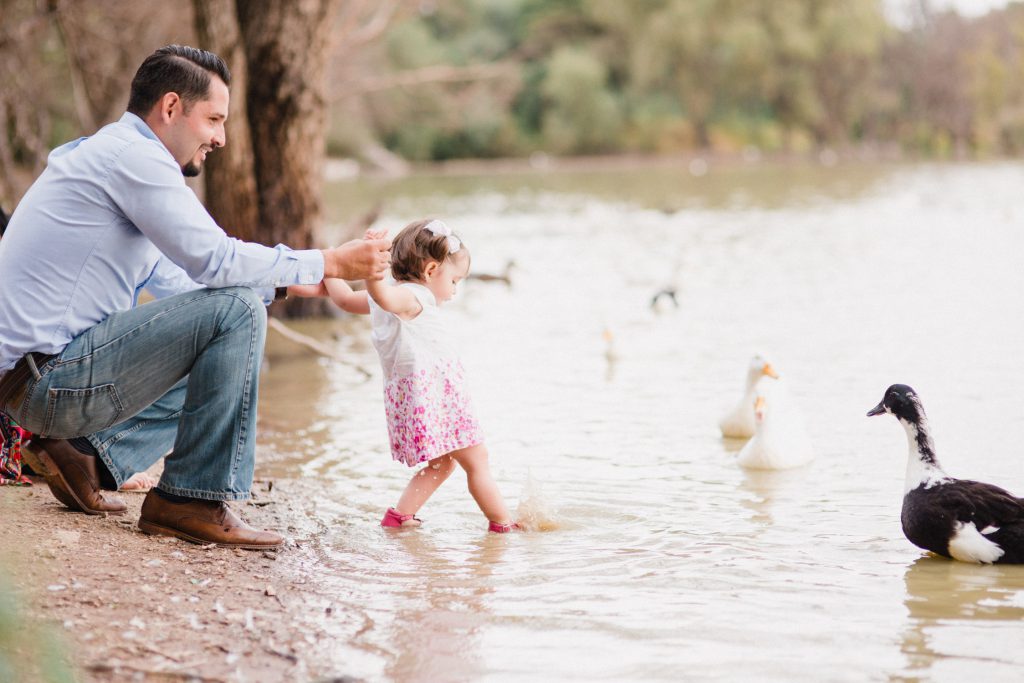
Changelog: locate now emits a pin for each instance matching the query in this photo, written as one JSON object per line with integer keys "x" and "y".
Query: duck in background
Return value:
{"x": 964, "y": 520}
{"x": 738, "y": 423}
{"x": 665, "y": 300}
{"x": 780, "y": 441}
{"x": 504, "y": 276}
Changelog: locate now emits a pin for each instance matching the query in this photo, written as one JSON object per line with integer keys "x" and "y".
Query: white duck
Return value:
{"x": 738, "y": 423}
{"x": 611, "y": 353}
{"x": 780, "y": 440}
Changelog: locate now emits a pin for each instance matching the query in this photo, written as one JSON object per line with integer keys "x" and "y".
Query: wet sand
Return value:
{"x": 125, "y": 606}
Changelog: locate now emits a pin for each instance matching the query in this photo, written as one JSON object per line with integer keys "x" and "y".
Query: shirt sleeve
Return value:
{"x": 167, "y": 279}
{"x": 147, "y": 185}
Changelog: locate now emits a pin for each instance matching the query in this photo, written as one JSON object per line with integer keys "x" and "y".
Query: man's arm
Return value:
{"x": 149, "y": 189}
{"x": 167, "y": 279}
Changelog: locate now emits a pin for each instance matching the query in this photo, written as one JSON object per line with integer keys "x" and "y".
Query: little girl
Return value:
{"x": 430, "y": 416}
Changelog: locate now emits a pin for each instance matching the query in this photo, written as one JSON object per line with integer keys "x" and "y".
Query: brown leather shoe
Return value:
{"x": 74, "y": 478}
{"x": 202, "y": 521}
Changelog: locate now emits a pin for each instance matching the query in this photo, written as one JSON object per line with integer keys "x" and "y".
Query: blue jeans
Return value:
{"x": 176, "y": 375}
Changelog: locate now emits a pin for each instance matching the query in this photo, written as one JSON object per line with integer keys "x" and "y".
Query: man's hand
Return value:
{"x": 372, "y": 234}
{"x": 358, "y": 260}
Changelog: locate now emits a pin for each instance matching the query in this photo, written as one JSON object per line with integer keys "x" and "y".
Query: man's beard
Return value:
{"x": 191, "y": 169}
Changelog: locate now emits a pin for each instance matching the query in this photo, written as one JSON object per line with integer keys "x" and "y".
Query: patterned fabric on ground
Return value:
{"x": 11, "y": 436}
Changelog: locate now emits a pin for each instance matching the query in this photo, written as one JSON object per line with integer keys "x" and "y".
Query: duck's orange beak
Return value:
{"x": 769, "y": 370}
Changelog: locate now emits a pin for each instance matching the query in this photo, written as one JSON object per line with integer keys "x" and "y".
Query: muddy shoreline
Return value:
{"x": 123, "y": 606}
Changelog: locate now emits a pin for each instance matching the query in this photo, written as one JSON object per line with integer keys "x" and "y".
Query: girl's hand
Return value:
{"x": 372, "y": 234}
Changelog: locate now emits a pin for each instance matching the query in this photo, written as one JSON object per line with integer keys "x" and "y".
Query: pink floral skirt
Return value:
{"x": 430, "y": 414}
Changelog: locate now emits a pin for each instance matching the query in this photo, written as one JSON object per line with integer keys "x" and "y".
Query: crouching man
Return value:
{"x": 110, "y": 386}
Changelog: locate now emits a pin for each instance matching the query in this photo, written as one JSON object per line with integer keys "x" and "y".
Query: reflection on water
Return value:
{"x": 964, "y": 621}
{"x": 666, "y": 560}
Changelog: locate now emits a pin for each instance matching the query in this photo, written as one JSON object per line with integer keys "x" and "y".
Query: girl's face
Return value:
{"x": 441, "y": 278}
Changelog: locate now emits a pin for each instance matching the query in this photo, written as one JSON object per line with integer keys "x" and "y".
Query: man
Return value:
{"x": 109, "y": 386}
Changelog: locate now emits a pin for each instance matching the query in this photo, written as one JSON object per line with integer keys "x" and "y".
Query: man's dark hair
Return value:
{"x": 175, "y": 68}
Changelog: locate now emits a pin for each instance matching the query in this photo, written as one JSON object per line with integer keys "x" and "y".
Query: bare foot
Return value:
{"x": 140, "y": 481}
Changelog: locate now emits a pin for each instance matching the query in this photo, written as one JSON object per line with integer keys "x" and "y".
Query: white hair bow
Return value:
{"x": 441, "y": 228}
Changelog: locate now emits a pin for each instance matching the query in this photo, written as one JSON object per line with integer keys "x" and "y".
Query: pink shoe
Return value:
{"x": 393, "y": 519}
{"x": 502, "y": 528}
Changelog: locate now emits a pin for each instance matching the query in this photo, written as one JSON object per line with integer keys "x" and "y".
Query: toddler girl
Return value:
{"x": 430, "y": 416}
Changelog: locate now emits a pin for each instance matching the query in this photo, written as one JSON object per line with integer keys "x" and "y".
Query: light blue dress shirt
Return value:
{"x": 110, "y": 216}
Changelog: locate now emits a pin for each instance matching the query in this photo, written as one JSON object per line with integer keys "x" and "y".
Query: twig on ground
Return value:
{"x": 160, "y": 673}
{"x": 314, "y": 345}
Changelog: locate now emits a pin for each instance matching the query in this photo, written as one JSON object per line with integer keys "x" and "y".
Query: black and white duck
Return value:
{"x": 966, "y": 520}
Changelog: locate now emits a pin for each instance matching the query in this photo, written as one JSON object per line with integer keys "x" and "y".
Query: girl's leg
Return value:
{"x": 423, "y": 484}
{"x": 481, "y": 484}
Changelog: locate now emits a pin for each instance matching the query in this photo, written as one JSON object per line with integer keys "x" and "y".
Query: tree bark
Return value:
{"x": 230, "y": 182}
{"x": 286, "y": 48}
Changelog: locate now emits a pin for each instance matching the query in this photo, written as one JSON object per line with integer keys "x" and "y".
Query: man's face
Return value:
{"x": 190, "y": 135}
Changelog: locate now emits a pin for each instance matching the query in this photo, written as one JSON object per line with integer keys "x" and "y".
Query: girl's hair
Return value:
{"x": 415, "y": 246}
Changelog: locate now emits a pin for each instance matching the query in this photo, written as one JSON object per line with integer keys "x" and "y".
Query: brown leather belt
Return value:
{"x": 16, "y": 379}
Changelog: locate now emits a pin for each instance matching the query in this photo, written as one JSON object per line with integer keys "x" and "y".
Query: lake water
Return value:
{"x": 668, "y": 561}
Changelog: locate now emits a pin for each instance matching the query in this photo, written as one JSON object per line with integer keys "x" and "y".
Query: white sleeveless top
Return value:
{"x": 428, "y": 407}
{"x": 405, "y": 346}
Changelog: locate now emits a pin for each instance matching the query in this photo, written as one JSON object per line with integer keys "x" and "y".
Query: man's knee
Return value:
{"x": 248, "y": 296}
{"x": 240, "y": 301}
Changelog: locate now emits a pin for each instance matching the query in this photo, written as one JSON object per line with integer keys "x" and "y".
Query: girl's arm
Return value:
{"x": 391, "y": 298}
{"x": 345, "y": 298}
{"x": 394, "y": 299}
{"x": 307, "y": 290}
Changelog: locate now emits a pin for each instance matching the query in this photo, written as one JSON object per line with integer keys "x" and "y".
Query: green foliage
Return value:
{"x": 589, "y": 77}
{"x": 412, "y": 45}
{"x": 581, "y": 116}
{"x": 651, "y": 75}
{"x": 28, "y": 652}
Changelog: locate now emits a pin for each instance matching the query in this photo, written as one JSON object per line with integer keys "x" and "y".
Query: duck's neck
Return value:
{"x": 922, "y": 466}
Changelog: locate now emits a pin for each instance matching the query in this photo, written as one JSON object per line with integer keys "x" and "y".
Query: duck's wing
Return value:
{"x": 986, "y": 505}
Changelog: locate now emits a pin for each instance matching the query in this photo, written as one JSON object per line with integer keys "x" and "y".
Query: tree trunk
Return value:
{"x": 286, "y": 48}
{"x": 230, "y": 182}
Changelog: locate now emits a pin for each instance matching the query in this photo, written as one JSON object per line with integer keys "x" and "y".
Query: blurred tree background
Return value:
{"x": 446, "y": 79}
{"x": 388, "y": 82}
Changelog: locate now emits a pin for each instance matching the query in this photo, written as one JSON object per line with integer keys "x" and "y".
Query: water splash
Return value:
{"x": 535, "y": 511}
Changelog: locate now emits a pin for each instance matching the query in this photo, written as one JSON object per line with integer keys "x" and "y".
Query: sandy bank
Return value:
{"x": 129, "y": 607}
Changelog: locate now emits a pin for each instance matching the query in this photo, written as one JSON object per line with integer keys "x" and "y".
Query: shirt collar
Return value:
{"x": 138, "y": 124}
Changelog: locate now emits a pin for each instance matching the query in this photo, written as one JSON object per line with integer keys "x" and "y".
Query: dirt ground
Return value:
{"x": 124, "y": 606}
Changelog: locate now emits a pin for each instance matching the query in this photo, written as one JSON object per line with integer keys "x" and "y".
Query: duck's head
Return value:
{"x": 759, "y": 368}
{"x": 901, "y": 401}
